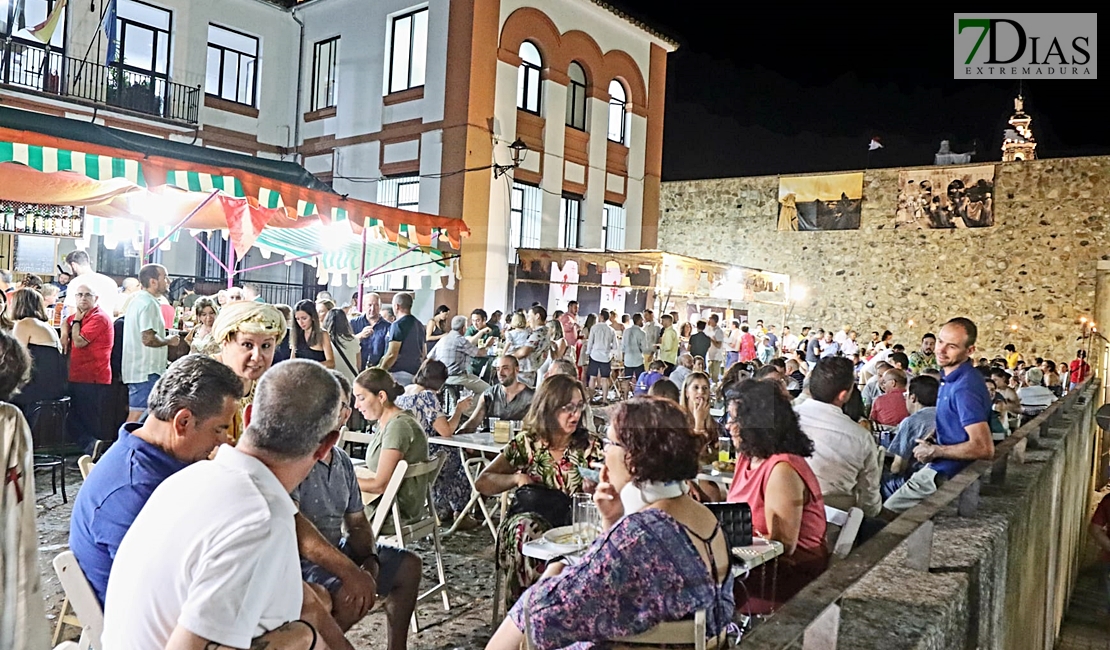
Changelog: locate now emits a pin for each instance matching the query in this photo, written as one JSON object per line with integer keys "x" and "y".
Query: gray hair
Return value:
{"x": 458, "y": 323}
{"x": 296, "y": 404}
{"x": 195, "y": 382}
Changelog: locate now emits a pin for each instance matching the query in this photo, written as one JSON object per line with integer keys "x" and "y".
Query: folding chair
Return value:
{"x": 690, "y": 632}
{"x": 348, "y": 439}
{"x": 428, "y": 526}
{"x": 89, "y": 616}
{"x": 85, "y": 464}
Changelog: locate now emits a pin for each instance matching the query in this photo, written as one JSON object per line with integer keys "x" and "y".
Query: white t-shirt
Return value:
{"x": 716, "y": 334}
{"x": 215, "y": 551}
{"x": 106, "y": 289}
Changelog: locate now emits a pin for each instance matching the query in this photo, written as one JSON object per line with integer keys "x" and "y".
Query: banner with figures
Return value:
{"x": 820, "y": 202}
{"x": 946, "y": 197}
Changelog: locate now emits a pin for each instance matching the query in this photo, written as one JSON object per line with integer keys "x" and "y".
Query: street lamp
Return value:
{"x": 518, "y": 150}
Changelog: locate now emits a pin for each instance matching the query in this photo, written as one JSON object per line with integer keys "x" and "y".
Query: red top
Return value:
{"x": 890, "y": 409}
{"x": 749, "y": 485}
{"x": 92, "y": 363}
{"x": 1101, "y": 519}
{"x": 1079, "y": 371}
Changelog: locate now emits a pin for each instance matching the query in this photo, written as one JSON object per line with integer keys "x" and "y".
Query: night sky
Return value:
{"x": 747, "y": 96}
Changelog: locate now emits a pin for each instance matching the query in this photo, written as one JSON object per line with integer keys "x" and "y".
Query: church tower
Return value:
{"x": 1018, "y": 142}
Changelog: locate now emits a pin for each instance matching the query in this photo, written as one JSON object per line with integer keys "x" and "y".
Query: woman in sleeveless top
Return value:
{"x": 660, "y": 556}
{"x": 773, "y": 477}
{"x": 310, "y": 341}
{"x": 437, "y": 327}
{"x": 345, "y": 347}
{"x": 48, "y": 371}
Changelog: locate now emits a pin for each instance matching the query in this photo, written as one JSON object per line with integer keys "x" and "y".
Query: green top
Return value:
{"x": 404, "y": 434}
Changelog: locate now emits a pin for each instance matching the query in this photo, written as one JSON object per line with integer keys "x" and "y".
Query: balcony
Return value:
{"x": 35, "y": 67}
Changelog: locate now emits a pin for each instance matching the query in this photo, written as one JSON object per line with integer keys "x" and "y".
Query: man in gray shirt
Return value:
{"x": 635, "y": 347}
{"x": 508, "y": 399}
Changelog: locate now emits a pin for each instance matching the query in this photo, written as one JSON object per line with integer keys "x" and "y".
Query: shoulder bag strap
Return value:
{"x": 342, "y": 356}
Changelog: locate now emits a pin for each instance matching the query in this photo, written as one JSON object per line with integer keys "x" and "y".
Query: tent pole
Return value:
{"x": 362, "y": 269}
{"x": 181, "y": 224}
{"x": 382, "y": 266}
{"x": 230, "y": 261}
{"x": 283, "y": 261}
{"x": 146, "y": 240}
{"x": 214, "y": 257}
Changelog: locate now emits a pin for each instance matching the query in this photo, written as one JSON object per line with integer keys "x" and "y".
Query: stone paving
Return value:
{"x": 1086, "y": 624}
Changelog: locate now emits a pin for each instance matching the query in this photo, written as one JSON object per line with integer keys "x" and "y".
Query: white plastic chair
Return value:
{"x": 79, "y": 594}
{"x": 428, "y": 526}
{"x": 85, "y": 464}
{"x": 843, "y": 527}
{"x": 347, "y": 437}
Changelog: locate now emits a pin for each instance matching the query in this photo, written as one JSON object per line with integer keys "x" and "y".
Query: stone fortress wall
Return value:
{"x": 1035, "y": 268}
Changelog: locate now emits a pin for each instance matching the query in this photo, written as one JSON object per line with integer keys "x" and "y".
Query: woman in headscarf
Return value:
{"x": 248, "y": 334}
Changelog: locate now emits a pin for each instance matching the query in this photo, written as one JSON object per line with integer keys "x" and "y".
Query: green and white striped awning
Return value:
{"x": 339, "y": 251}
{"x": 268, "y": 198}
{"x": 203, "y": 182}
{"x": 49, "y": 159}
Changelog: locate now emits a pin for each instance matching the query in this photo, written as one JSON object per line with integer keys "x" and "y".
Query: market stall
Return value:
{"x": 630, "y": 281}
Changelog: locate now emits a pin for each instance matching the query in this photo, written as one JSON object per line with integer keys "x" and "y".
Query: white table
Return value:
{"x": 707, "y": 473}
{"x": 484, "y": 444}
{"x": 758, "y": 553}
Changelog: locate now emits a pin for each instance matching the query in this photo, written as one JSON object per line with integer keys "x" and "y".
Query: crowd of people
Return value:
{"x": 227, "y": 460}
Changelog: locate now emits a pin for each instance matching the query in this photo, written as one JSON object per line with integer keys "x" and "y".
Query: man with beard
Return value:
{"x": 508, "y": 399}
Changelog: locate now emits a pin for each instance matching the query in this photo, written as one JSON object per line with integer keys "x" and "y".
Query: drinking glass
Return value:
{"x": 724, "y": 449}
{"x": 580, "y": 517}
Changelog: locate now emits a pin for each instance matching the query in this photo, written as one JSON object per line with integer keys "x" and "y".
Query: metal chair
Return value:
{"x": 47, "y": 419}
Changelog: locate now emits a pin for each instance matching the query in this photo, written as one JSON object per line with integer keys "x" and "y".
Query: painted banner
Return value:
{"x": 946, "y": 197}
{"x": 823, "y": 202}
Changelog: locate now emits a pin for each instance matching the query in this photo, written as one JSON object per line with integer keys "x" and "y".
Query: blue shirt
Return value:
{"x": 111, "y": 498}
{"x": 409, "y": 332}
{"x": 963, "y": 401}
{"x": 373, "y": 346}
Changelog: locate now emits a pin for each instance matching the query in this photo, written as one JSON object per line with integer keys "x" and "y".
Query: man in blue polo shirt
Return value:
{"x": 963, "y": 419}
{"x": 191, "y": 408}
{"x": 371, "y": 330}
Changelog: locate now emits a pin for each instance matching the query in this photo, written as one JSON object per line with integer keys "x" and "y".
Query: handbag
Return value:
{"x": 735, "y": 520}
{"x": 550, "y": 504}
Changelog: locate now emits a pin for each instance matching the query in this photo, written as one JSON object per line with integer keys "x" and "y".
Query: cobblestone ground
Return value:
{"x": 468, "y": 559}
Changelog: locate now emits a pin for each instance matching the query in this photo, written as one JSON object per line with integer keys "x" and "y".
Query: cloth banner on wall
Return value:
{"x": 823, "y": 202}
{"x": 564, "y": 285}
{"x": 750, "y": 285}
{"x": 946, "y": 197}
{"x": 612, "y": 294}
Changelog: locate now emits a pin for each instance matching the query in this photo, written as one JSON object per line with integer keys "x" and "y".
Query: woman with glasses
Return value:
{"x": 774, "y": 479}
{"x": 661, "y": 556}
{"x": 542, "y": 461}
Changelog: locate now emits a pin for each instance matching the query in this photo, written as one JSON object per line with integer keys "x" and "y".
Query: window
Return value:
{"x": 28, "y": 62}
{"x": 400, "y": 192}
{"x": 35, "y": 12}
{"x": 139, "y": 58}
{"x": 525, "y": 215}
{"x": 570, "y": 210}
{"x": 612, "y": 227}
{"x": 232, "y": 65}
{"x": 325, "y": 58}
{"x": 617, "y": 112}
{"x": 408, "y": 51}
{"x": 528, "y": 78}
{"x": 576, "y": 97}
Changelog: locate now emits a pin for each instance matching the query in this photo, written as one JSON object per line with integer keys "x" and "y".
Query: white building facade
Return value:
{"x": 411, "y": 104}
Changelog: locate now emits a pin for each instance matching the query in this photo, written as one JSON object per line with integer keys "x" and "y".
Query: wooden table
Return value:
{"x": 484, "y": 444}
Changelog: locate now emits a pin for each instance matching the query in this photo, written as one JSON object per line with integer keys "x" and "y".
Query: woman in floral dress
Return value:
{"x": 547, "y": 452}
{"x": 451, "y": 491}
{"x": 662, "y": 556}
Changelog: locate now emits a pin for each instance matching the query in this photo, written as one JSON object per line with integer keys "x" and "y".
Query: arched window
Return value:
{"x": 617, "y": 112}
{"x": 576, "y": 97}
{"x": 528, "y": 78}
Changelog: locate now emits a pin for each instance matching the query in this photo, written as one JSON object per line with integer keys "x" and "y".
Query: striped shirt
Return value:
{"x": 139, "y": 361}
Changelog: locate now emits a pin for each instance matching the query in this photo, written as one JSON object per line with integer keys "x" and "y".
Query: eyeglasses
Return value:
{"x": 609, "y": 442}
{"x": 85, "y": 295}
{"x": 572, "y": 408}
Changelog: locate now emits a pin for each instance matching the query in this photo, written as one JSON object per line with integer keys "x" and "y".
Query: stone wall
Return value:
{"x": 1035, "y": 269}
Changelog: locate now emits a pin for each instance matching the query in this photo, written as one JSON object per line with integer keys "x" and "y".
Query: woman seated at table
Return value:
{"x": 200, "y": 337}
{"x": 398, "y": 437}
{"x": 451, "y": 491}
{"x": 309, "y": 340}
{"x": 545, "y": 455}
{"x": 662, "y": 555}
{"x": 248, "y": 334}
{"x": 773, "y": 477}
{"x": 48, "y": 372}
{"x": 696, "y": 398}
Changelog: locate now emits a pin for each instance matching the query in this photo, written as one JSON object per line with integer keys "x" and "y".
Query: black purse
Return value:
{"x": 735, "y": 520}
{"x": 552, "y": 505}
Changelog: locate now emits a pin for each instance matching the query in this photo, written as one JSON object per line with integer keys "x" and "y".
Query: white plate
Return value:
{"x": 556, "y": 538}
